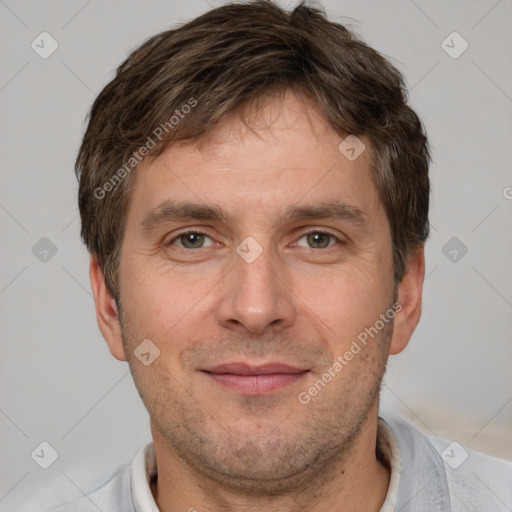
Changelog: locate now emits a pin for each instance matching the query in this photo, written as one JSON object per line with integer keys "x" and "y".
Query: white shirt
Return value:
{"x": 427, "y": 475}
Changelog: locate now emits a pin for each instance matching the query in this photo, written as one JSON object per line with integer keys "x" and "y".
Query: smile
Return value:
{"x": 255, "y": 380}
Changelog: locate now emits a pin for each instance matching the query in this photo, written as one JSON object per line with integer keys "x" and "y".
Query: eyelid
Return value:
{"x": 323, "y": 232}
{"x": 302, "y": 234}
{"x": 186, "y": 232}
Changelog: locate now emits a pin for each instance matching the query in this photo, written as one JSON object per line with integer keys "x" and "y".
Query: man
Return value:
{"x": 254, "y": 194}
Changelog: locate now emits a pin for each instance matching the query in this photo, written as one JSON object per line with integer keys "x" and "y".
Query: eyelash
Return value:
{"x": 199, "y": 232}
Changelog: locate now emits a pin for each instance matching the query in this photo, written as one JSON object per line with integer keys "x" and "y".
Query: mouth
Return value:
{"x": 246, "y": 379}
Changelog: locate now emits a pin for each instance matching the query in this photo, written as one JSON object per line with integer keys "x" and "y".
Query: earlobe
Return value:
{"x": 409, "y": 299}
{"x": 107, "y": 313}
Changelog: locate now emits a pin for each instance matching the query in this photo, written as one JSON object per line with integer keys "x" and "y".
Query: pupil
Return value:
{"x": 192, "y": 239}
{"x": 318, "y": 239}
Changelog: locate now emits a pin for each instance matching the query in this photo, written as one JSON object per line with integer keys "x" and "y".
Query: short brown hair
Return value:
{"x": 221, "y": 64}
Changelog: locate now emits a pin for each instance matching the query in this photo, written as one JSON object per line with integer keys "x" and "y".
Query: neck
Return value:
{"x": 357, "y": 479}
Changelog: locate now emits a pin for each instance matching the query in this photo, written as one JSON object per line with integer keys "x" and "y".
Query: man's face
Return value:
{"x": 245, "y": 325}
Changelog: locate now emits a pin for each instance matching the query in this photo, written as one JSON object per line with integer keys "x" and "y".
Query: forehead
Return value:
{"x": 288, "y": 155}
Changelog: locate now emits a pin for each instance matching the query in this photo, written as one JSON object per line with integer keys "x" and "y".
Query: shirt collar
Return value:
{"x": 143, "y": 471}
{"x": 391, "y": 452}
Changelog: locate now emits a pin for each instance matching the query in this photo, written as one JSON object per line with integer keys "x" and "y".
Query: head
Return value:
{"x": 228, "y": 221}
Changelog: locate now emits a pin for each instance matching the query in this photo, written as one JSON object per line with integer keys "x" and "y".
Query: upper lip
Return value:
{"x": 248, "y": 369}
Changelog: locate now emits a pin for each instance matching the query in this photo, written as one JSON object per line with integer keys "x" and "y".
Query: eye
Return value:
{"x": 191, "y": 240}
{"x": 318, "y": 240}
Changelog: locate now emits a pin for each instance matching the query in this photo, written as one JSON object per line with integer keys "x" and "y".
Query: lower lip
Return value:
{"x": 255, "y": 384}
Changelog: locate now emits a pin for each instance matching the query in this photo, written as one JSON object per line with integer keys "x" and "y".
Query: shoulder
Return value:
{"x": 439, "y": 474}
{"x": 114, "y": 495}
{"x": 474, "y": 478}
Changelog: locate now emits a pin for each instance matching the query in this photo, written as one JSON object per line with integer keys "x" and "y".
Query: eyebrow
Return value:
{"x": 169, "y": 211}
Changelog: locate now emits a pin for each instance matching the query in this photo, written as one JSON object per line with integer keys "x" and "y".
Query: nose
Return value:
{"x": 255, "y": 296}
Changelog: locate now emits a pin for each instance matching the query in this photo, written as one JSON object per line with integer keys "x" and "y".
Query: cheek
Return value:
{"x": 166, "y": 306}
{"x": 346, "y": 301}
{"x": 153, "y": 289}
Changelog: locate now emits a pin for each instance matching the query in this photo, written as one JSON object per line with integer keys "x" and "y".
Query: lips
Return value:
{"x": 249, "y": 379}
{"x": 246, "y": 369}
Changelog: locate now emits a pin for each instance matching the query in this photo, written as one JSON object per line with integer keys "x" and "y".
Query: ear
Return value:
{"x": 106, "y": 311}
{"x": 409, "y": 297}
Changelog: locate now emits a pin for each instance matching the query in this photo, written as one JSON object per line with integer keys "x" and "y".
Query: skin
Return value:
{"x": 298, "y": 302}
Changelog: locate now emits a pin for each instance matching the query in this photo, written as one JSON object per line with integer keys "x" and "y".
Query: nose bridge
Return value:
{"x": 254, "y": 296}
{"x": 257, "y": 280}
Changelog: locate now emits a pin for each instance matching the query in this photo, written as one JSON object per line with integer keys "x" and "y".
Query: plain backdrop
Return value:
{"x": 60, "y": 384}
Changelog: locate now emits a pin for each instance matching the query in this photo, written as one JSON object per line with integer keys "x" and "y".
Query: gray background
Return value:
{"x": 59, "y": 383}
